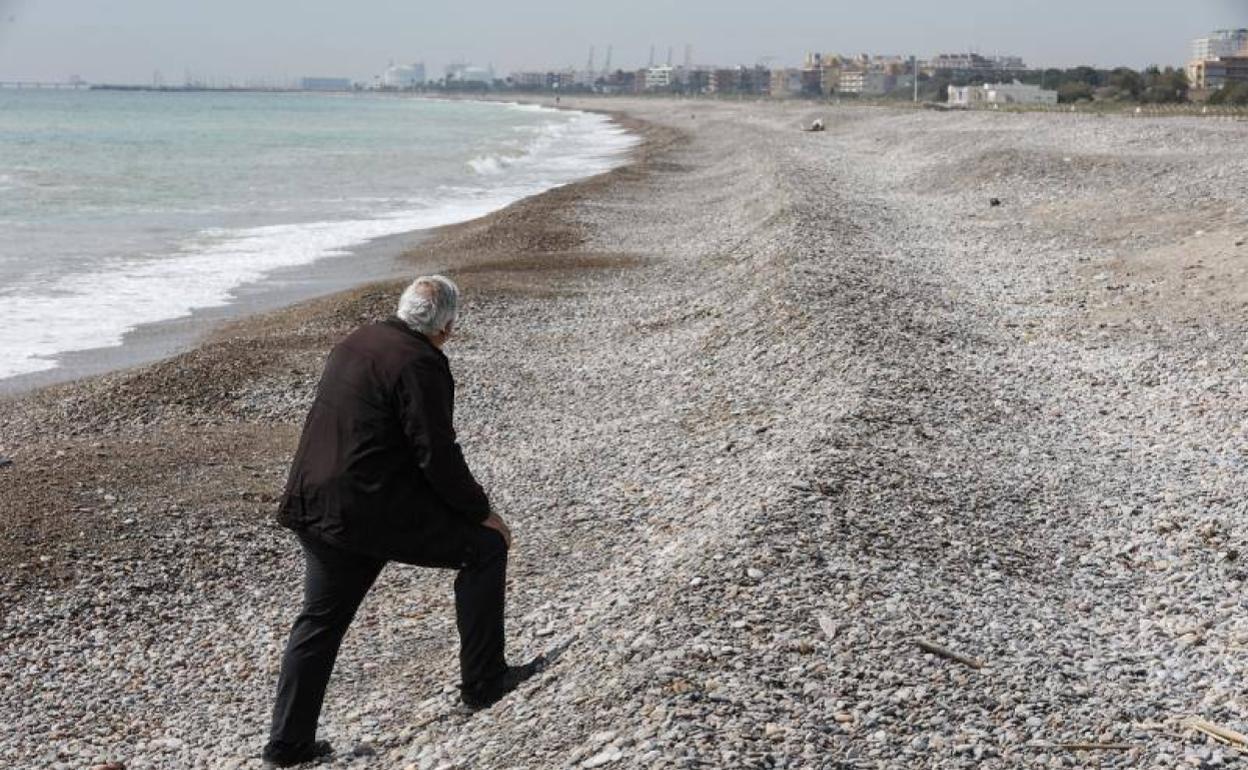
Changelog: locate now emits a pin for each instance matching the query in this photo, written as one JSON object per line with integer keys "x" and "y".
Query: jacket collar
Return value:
{"x": 399, "y": 324}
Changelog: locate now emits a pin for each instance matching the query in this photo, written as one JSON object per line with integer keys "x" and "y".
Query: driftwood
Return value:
{"x": 943, "y": 652}
{"x": 1080, "y": 746}
{"x": 1220, "y": 734}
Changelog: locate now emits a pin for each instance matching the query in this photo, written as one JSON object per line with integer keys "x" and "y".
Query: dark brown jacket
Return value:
{"x": 378, "y": 467}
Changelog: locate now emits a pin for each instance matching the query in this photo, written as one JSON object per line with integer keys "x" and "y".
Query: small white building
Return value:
{"x": 999, "y": 93}
{"x": 460, "y": 72}
{"x": 404, "y": 76}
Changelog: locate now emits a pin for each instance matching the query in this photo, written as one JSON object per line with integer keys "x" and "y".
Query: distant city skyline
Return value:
{"x": 282, "y": 40}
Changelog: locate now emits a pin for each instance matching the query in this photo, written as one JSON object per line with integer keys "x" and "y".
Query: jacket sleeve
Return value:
{"x": 426, "y": 399}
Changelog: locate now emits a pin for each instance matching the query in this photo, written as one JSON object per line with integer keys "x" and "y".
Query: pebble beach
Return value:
{"x": 918, "y": 442}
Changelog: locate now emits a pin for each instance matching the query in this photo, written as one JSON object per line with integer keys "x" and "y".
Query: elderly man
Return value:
{"x": 379, "y": 477}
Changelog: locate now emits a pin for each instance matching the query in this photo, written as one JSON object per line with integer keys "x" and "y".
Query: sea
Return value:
{"x": 120, "y": 209}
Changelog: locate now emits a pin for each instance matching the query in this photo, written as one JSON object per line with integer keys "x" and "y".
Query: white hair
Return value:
{"x": 430, "y": 304}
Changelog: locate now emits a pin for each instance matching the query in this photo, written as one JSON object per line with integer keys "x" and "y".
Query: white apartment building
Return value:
{"x": 660, "y": 78}
{"x": 973, "y": 62}
{"x": 544, "y": 79}
{"x": 852, "y": 81}
{"x": 871, "y": 82}
{"x": 999, "y": 93}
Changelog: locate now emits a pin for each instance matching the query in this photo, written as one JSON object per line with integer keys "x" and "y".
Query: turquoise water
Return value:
{"x": 118, "y": 209}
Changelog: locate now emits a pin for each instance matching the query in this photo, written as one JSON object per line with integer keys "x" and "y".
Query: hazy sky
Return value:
{"x": 127, "y": 40}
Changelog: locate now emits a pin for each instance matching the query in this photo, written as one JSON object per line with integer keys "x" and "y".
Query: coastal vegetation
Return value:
{"x": 1152, "y": 85}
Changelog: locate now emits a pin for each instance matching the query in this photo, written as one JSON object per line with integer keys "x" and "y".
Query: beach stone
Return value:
{"x": 604, "y": 757}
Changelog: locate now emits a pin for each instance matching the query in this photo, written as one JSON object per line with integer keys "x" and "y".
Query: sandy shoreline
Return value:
{"x": 498, "y": 252}
{"x": 765, "y": 408}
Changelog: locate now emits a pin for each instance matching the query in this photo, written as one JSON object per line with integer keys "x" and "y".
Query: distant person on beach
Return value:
{"x": 379, "y": 477}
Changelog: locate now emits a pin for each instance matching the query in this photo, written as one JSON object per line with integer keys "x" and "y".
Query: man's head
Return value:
{"x": 430, "y": 306}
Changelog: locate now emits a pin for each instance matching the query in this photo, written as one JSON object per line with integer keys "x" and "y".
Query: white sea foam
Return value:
{"x": 97, "y": 307}
{"x": 489, "y": 165}
{"x": 584, "y": 135}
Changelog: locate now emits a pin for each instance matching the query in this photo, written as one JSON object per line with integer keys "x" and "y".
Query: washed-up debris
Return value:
{"x": 945, "y": 652}
{"x": 1092, "y": 746}
{"x": 5, "y": 462}
{"x": 1223, "y": 735}
{"x": 828, "y": 626}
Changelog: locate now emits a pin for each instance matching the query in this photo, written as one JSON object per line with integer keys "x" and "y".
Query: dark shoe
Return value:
{"x": 279, "y": 754}
{"x": 484, "y": 696}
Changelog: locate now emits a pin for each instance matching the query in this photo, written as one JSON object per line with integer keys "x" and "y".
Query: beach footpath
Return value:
{"x": 921, "y": 441}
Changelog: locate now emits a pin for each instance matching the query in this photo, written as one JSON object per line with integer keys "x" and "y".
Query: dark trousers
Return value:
{"x": 336, "y": 581}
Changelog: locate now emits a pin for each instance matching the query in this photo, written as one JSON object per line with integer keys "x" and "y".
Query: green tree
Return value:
{"x": 1085, "y": 74}
{"x": 1231, "y": 94}
{"x": 1128, "y": 82}
{"x": 1166, "y": 86}
{"x": 1074, "y": 91}
{"x": 1052, "y": 78}
{"x": 935, "y": 88}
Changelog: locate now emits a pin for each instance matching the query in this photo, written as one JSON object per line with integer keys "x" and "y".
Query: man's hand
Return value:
{"x": 496, "y": 522}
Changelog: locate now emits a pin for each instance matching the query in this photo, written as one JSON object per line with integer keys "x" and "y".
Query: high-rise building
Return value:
{"x": 821, "y": 74}
{"x": 1218, "y": 59}
{"x": 753, "y": 81}
{"x": 973, "y": 63}
{"x": 1214, "y": 74}
{"x": 542, "y": 80}
{"x": 1223, "y": 42}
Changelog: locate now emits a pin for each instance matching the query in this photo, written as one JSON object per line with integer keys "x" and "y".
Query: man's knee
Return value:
{"x": 488, "y": 546}
{"x": 313, "y": 630}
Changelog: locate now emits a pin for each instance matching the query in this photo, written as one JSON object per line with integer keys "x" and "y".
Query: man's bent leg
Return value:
{"x": 480, "y": 555}
{"x": 335, "y": 583}
{"x": 480, "y": 595}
